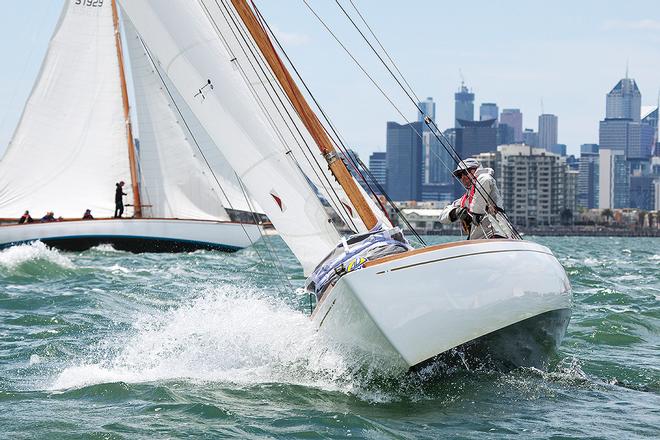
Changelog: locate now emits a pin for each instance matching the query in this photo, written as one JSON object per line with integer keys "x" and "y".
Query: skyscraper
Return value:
{"x": 624, "y": 101}
{"x": 587, "y": 193}
{"x": 476, "y": 137}
{"x": 513, "y": 118}
{"x": 428, "y": 107}
{"x": 613, "y": 179}
{"x": 464, "y": 105}
{"x": 488, "y": 110}
{"x": 378, "y": 167}
{"x": 548, "y": 126}
{"x": 530, "y": 137}
{"x": 404, "y": 161}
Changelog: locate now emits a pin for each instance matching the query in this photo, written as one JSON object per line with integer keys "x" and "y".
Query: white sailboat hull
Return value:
{"x": 415, "y": 306}
{"x": 135, "y": 235}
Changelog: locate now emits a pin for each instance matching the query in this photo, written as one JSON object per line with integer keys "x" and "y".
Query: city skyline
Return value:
{"x": 563, "y": 61}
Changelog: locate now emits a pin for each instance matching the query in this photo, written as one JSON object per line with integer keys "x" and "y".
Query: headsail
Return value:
{"x": 72, "y": 124}
{"x": 174, "y": 184}
{"x": 190, "y": 52}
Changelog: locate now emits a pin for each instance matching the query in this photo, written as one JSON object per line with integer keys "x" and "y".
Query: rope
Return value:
{"x": 337, "y": 139}
{"x": 429, "y": 122}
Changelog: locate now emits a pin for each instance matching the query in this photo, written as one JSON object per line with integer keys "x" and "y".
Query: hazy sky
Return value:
{"x": 518, "y": 54}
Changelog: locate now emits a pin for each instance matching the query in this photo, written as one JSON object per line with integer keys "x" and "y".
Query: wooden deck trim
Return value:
{"x": 430, "y": 249}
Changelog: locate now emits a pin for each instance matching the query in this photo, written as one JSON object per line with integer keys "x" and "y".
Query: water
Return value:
{"x": 107, "y": 344}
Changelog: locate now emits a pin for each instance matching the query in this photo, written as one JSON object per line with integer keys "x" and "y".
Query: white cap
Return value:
{"x": 467, "y": 164}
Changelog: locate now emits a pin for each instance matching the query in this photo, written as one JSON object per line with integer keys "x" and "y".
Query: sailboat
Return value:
{"x": 378, "y": 295}
{"x": 74, "y": 142}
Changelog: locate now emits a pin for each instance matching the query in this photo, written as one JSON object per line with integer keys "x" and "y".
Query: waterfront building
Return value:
{"x": 513, "y": 118}
{"x": 570, "y": 185}
{"x": 548, "y": 128}
{"x": 488, "y": 110}
{"x": 587, "y": 192}
{"x": 530, "y": 137}
{"x": 404, "y": 161}
{"x": 613, "y": 179}
{"x": 378, "y": 167}
{"x": 642, "y": 192}
{"x": 531, "y": 181}
{"x": 463, "y": 105}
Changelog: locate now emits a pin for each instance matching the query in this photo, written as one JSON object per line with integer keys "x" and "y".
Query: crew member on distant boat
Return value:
{"x": 479, "y": 206}
{"x": 25, "y": 218}
{"x": 49, "y": 217}
{"x": 88, "y": 215}
{"x": 119, "y": 200}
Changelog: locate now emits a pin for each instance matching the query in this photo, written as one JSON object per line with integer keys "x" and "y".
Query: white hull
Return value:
{"x": 414, "y": 306}
{"x": 137, "y": 235}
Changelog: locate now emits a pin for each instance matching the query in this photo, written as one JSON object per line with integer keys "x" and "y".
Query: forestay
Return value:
{"x": 69, "y": 147}
{"x": 281, "y": 113}
{"x": 181, "y": 38}
{"x": 174, "y": 183}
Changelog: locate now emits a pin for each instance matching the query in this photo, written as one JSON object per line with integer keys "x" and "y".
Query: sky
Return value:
{"x": 558, "y": 57}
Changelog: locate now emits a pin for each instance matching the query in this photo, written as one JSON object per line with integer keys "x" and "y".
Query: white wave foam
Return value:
{"x": 17, "y": 255}
{"x": 234, "y": 335}
{"x": 106, "y": 248}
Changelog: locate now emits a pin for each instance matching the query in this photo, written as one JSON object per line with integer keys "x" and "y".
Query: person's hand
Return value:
{"x": 491, "y": 209}
{"x": 463, "y": 214}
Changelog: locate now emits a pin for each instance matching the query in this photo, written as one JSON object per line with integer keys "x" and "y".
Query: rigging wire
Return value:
{"x": 192, "y": 135}
{"x": 337, "y": 140}
{"x": 429, "y": 122}
{"x": 265, "y": 72}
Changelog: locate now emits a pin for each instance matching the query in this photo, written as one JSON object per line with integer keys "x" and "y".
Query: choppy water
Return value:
{"x": 107, "y": 344}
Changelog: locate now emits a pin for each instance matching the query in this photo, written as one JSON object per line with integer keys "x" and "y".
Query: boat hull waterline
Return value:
{"x": 135, "y": 235}
{"x": 412, "y": 307}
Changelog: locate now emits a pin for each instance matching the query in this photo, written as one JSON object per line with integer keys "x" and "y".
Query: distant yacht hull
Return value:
{"x": 134, "y": 235}
{"x": 504, "y": 302}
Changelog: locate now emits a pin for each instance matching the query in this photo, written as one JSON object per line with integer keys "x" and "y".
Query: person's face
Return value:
{"x": 466, "y": 178}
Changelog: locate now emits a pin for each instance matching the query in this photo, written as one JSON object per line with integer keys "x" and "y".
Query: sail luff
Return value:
{"x": 135, "y": 184}
{"x": 308, "y": 117}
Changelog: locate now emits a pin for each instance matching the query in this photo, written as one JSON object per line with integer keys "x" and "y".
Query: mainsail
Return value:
{"x": 194, "y": 49}
{"x": 69, "y": 148}
{"x": 190, "y": 52}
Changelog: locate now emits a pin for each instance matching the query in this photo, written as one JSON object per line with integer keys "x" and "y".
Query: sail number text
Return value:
{"x": 93, "y": 3}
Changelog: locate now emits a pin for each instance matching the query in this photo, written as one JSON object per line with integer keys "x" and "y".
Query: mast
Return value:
{"x": 308, "y": 117}
{"x": 137, "y": 203}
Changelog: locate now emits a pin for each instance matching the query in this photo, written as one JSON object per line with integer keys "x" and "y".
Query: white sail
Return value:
{"x": 210, "y": 158}
{"x": 282, "y": 114}
{"x": 189, "y": 51}
{"x": 174, "y": 184}
{"x": 70, "y": 146}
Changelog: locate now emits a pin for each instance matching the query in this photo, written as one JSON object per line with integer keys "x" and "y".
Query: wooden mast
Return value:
{"x": 308, "y": 117}
{"x": 137, "y": 203}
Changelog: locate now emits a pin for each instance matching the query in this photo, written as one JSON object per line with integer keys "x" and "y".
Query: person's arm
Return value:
{"x": 450, "y": 213}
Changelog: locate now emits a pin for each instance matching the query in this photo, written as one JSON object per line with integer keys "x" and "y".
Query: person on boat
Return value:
{"x": 49, "y": 217}
{"x": 25, "y": 218}
{"x": 479, "y": 207}
{"x": 119, "y": 199}
{"x": 88, "y": 215}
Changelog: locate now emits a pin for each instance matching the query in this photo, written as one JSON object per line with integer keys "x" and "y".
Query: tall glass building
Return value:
{"x": 488, "y": 110}
{"x": 513, "y": 118}
{"x": 463, "y": 105}
{"x": 548, "y": 128}
{"x": 587, "y": 192}
{"x": 404, "y": 161}
{"x": 624, "y": 101}
{"x": 378, "y": 167}
{"x": 613, "y": 179}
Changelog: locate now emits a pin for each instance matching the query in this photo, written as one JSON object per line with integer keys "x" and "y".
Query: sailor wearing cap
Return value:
{"x": 479, "y": 207}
